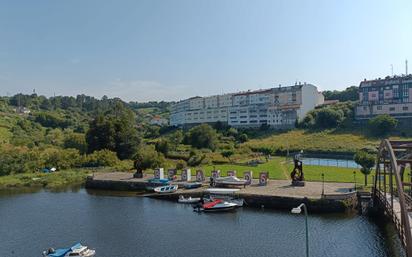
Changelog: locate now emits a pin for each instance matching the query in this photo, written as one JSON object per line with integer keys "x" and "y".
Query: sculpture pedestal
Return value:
{"x": 298, "y": 183}
{"x": 138, "y": 174}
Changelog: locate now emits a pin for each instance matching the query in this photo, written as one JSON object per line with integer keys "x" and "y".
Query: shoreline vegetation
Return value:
{"x": 82, "y": 134}
{"x": 277, "y": 167}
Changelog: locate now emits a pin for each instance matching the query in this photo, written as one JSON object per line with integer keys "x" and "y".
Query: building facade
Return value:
{"x": 276, "y": 107}
{"x": 392, "y": 95}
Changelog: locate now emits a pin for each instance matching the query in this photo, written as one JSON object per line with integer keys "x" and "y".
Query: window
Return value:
{"x": 263, "y": 116}
{"x": 395, "y": 92}
{"x": 232, "y": 118}
{"x": 379, "y": 107}
{"x": 405, "y": 91}
{"x": 233, "y": 112}
{"x": 243, "y": 117}
{"x": 253, "y": 121}
{"x": 392, "y": 109}
{"x": 253, "y": 116}
{"x": 405, "y": 108}
{"x": 243, "y": 121}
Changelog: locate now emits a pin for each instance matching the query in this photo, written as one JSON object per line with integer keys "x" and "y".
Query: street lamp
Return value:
{"x": 354, "y": 178}
{"x": 323, "y": 185}
{"x": 298, "y": 210}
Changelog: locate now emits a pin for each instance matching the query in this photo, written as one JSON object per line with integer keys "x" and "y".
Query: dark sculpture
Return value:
{"x": 297, "y": 174}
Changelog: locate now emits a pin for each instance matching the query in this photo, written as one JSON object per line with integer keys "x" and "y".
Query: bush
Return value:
{"x": 162, "y": 146}
{"x": 180, "y": 165}
{"x": 102, "y": 158}
{"x": 147, "y": 158}
{"x": 328, "y": 118}
{"x": 76, "y": 141}
{"x": 196, "y": 159}
{"x": 60, "y": 158}
{"x": 382, "y": 125}
{"x": 202, "y": 136}
{"x": 243, "y": 138}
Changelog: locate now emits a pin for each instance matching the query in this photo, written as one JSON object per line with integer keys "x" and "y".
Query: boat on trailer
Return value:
{"x": 228, "y": 181}
{"x": 76, "y": 250}
{"x": 166, "y": 189}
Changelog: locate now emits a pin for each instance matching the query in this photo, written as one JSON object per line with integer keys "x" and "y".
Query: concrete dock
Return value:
{"x": 279, "y": 194}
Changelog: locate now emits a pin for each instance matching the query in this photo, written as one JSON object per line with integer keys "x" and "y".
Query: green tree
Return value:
{"x": 382, "y": 125}
{"x": 147, "y": 158}
{"x": 114, "y": 131}
{"x": 162, "y": 146}
{"x": 176, "y": 138}
{"x": 349, "y": 94}
{"x": 202, "y": 136}
{"x": 366, "y": 161}
{"x": 76, "y": 141}
{"x": 328, "y": 118}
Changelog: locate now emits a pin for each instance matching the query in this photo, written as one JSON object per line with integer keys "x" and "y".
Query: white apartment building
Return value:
{"x": 276, "y": 107}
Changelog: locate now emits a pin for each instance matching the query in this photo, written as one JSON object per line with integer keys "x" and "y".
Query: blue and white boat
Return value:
{"x": 159, "y": 181}
{"x": 166, "y": 189}
{"x": 76, "y": 250}
{"x": 192, "y": 185}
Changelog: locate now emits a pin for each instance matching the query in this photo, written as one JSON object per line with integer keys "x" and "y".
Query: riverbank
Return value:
{"x": 278, "y": 194}
{"x": 54, "y": 180}
{"x": 277, "y": 167}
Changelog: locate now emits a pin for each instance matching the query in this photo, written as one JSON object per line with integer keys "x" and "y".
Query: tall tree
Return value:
{"x": 366, "y": 161}
{"x": 114, "y": 131}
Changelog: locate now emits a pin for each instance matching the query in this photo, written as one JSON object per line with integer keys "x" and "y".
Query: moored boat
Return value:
{"x": 217, "y": 205}
{"x": 76, "y": 250}
{"x": 159, "y": 181}
{"x": 189, "y": 200}
{"x": 166, "y": 189}
{"x": 192, "y": 185}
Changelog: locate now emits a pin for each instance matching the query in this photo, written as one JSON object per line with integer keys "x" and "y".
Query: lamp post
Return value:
{"x": 298, "y": 210}
{"x": 354, "y": 179}
{"x": 323, "y": 185}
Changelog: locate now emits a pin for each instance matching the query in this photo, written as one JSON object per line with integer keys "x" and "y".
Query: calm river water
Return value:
{"x": 135, "y": 226}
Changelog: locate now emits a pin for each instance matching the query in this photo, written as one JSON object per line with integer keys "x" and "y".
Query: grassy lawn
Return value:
{"x": 325, "y": 141}
{"x": 278, "y": 169}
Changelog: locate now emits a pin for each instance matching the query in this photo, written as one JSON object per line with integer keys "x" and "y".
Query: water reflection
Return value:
{"x": 131, "y": 226}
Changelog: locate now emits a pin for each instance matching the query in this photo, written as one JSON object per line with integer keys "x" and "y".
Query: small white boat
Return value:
{"x": 190, "y": 199}
{"x": 166, "y": 189}
{"x": 222, "y": 191}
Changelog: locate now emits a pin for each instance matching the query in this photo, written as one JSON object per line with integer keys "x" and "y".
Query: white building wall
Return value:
{"x": 277, "y": 107}
{"x": 310, "y": 99}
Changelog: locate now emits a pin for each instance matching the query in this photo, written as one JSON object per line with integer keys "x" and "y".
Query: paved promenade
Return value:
{"x": 281, "y": 188}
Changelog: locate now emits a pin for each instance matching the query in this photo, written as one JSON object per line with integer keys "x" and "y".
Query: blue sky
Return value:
{"x": 169, "y": 50}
